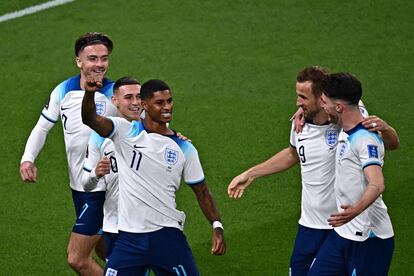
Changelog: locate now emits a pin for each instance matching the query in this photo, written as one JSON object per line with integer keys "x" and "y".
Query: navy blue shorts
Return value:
{"x": 165, "y": 252}
{"x": 89, "y": 212}
{"x": 340, "y": 256}
{"x": 110, "y": 239}
{"x": 307, "y": 244}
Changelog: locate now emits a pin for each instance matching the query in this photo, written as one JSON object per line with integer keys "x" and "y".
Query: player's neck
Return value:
{"x": 350, "y": 118}
{"x": 156, "y": 127}
{"x": 82, "y": 81}
{"x": 320, "y": 118}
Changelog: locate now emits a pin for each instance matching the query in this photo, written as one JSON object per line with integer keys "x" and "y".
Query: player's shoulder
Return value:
{"x": 135, "y": 127}
{"x": 96, "y": 140}
{"x": 73, "y": 84}
{"x": 107, "y": 87}
{"x": 360, "y": 134}
{"x": 186, "y": 146}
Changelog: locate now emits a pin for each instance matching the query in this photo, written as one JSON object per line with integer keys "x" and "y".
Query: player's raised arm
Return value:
{"x": 207, "y": 205}
{"x": 103, "y": 126}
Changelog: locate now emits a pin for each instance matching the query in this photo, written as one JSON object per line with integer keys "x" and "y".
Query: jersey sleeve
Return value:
{"x": 49, "y": 116}
{"x": 51, "y": 110}
{"x": 293, "y": 135}
{"x": 193, "y": 171}
{"x": 121, "y": 128}
{"x": 93, "y": 155}
{"x": 370, "y": 149}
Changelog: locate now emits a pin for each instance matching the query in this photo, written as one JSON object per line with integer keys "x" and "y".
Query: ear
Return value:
{"x": 114, "y": 101}
{"x": 78, "y": 62}
{"x": 339, "y": 108}
{"x": 144, "y": 105}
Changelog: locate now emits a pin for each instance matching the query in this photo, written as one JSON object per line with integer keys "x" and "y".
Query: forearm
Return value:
{"x": 100, "y": 124}
{"x": 206, "y": 203}
{"x": 89, "y": 180}
{"x": 36, "y": 140}
{"x": 283, "y": 160}
{"x": 371, "y": 193}
{"x": 390, "y": 138}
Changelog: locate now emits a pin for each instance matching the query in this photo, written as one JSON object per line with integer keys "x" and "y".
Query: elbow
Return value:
{"x": 392, "y": 146}
{"x": 380, "y": 188}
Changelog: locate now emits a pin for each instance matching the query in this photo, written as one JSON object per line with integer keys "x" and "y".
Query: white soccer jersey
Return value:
{"x": 65, "y": 103}
{"x": 357, "y": 149}
{"x": 150, "y": 170}
{"x": 316, "y": 147}
{"x": 98, "y": 147}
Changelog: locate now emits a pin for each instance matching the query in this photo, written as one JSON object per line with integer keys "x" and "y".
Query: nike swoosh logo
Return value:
{"x": 139, "y": 147}
{"x": 300, "y": 140}
{"x": 108, "y": 153}
{"x": 64, "y": 108}
{"x": 79, "y": 224}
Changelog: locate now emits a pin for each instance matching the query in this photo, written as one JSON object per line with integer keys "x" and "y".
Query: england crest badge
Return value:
{"x": 331, "y": 137}
{"x": 100, "y": 107}
{"x": 171, "y": 156}
{"x": 341, "y": 149}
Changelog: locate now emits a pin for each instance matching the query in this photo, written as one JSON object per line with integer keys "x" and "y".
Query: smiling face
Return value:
{"x": 159, "y": 106}
{"x": 307, "y": 100}
{"x": 128, "y": 102}
{"x": 93, "y": 60}
{"x": 331, "y": 109}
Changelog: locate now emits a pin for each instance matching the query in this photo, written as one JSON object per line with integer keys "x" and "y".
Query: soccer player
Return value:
{"x": 101, "y": 167}
{"x": 92, "y": 56}
{"x": 362, "y": 242}
{"x": 314, "y": 148}
{"x": 151, "y": 161}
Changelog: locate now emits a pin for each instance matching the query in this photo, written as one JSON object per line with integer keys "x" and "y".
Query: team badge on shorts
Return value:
{"x": 331, "y": 137}
{"x": 171, "y": 156}
{"x": 100, "y": 107}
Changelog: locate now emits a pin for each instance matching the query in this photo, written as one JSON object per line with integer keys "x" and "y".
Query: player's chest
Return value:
{"x": 157, "y": 157}
{"x": 314, "y": 146}
{"x": 71, "y": 111}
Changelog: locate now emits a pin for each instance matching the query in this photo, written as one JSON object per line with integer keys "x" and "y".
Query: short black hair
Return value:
{"x": 93, "y": 38}
{"x": 317, "y": 75}
{"x": 344, "y": 86}
{"x": 125, "y": 81}
{"x": 152, "y": 86}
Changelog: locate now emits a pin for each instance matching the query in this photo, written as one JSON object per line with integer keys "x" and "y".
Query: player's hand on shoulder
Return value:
{"x": 374, "y": 123}
{"x": 299, "y": 120}
{"x": 218, "y": 242}
{"x": 103, "y": 167}
{"x": 28, "y": 171}
{"x": 238, "y": 185}
{"x": 182, "y": 137}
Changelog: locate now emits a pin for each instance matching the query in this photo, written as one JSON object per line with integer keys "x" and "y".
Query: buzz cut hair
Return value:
{"x": 150, "y": 87}
{"x": 127, "y": 80}
{"x": 93, "y": 38}
{"x": 344, "y": 86}
{"x": 317, "y": 75}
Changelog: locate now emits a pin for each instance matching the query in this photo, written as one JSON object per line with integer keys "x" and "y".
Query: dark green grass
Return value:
{"x": 232, "y": 67}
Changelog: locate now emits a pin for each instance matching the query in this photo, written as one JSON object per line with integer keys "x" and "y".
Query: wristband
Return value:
{"x": 217, "y": 224}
